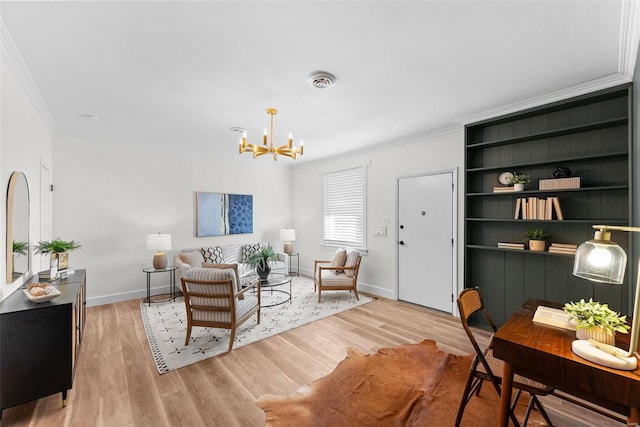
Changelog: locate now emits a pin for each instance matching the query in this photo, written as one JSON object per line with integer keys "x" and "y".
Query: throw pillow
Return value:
{"x": 351, "y": 261}
{"x": 248, "y": 250}
{"x": 339, "y": 257}
{"x": 213, "y": 254}
{"x": 193, "y": 258}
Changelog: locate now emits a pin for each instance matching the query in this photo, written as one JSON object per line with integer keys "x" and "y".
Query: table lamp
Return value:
{"x": 159, "y": 242}
{"x": 602, "y": 260}
{"x": 288, "y": 235}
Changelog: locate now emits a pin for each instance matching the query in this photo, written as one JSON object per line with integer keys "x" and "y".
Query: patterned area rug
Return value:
{"x": 165, "y": 324}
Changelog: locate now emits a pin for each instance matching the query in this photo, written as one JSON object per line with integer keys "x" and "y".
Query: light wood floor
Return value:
{"x": 117, "y": 383}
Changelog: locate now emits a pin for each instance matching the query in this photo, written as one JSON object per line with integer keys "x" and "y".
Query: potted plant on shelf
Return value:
{"x": 58, "y": 249}
{"x": 260, "y": 261}
{"x": 536, "y": 237}
{"x": 519, "y": 180}
{"x": 596, "y": 321}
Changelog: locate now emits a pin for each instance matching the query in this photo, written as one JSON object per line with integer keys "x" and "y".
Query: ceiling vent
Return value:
{"x": 322, "y": 79}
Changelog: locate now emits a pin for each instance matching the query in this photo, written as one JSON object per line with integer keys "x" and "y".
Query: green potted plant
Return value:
{"x": 260, "y": 260}
{"x": 596, "y": 321}
{"x": 20, "y": 248}
{"x": 57, "y": 249}
{"x": 536, "y": 237}
{"x": 518, "y": 181}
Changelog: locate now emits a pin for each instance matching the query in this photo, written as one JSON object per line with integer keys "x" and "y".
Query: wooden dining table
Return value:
{"x": 543, "y": 353}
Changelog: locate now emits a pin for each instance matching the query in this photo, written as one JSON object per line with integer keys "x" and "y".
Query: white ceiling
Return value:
{"x": 183, "y": 73}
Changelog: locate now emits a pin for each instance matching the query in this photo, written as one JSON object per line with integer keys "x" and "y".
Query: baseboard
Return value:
{"x": 126, "y": 296}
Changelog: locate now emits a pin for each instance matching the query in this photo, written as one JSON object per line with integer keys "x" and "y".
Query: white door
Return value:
{"x": 425, "y": 240}
{"x": 46, "y": 213}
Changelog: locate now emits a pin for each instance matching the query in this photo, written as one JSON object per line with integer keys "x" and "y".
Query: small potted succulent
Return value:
{"x": 596, "y": 321}
{"x": 537, "y": 239}
{"x": 519, "y": 180}
{"x": 260, "y": 260}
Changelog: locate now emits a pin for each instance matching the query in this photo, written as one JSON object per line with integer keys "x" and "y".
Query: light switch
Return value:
{"x": 380, "y": 230}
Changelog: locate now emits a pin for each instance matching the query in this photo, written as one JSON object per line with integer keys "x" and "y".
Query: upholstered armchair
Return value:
{"x": 341, "y": 273}
{"x": 213, "y": 299}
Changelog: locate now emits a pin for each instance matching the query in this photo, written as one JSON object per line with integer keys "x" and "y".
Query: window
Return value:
{"x": 345, "y": 208}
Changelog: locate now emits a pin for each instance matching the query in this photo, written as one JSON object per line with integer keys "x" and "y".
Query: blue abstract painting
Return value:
{"x": 218, "y": 214}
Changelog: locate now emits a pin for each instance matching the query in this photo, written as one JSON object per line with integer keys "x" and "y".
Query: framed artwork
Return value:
{"x": 218, "y": 214}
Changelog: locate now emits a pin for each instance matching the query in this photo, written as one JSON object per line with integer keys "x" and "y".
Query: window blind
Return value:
{"x": 344, "y": 207}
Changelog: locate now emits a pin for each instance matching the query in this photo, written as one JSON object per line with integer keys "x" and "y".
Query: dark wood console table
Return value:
{"x": 40, "y": 343}
{"x": 543, "y": 353}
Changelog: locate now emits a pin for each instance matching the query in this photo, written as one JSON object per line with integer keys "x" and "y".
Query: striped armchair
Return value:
{"x": 328, "y": 277}
{"x": 212, "y": 300}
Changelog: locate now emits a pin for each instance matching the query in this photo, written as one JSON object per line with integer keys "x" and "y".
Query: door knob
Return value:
{"x": 401, "y": 242}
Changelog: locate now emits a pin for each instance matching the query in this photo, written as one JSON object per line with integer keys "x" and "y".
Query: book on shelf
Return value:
{"x": 537, "y": 208}
{"x": 503, "y": 189}
{"x": 553, "y": 317}
{"x": 556, "y": 207}
{"x": 564, "y": 245}
{"x": 562, "y": 251}
{"x": 509, "y": 245}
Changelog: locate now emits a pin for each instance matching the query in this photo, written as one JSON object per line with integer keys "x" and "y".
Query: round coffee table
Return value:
{"x": 268, "y": 289}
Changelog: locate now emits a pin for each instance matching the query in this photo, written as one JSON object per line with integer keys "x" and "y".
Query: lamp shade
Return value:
{"x": 288, "y": 234}
{"x": 600, "y": 260}
{"x": 159, "y": 241}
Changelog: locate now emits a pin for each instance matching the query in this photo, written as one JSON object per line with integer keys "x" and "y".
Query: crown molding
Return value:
{"x": 11, "y": 56}
{"x": 549, "y": 98}
{"x": 629, "y": 37}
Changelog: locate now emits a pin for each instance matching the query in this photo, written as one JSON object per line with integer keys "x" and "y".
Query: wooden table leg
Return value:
{"x": 634, "y": 418}
{"x": 505, "y": 394}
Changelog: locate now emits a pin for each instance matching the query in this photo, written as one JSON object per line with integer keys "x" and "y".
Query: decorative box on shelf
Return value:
{"x": 559, "y": 183}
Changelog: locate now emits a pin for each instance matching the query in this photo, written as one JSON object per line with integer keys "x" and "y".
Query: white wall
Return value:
{"x": 109, "y": 196}
{"x": 25, "y": 143}
{"x": 378, "y": 271}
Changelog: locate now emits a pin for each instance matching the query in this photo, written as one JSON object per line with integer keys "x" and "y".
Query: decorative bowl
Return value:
{"x": 42, "y": 298}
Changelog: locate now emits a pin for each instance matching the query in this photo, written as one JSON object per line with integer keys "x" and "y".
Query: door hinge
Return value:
{"x": 51, "y": 187}
{"x": 452, "y": 244}
{"x": 451, "y": 297}
{"x": 453, "y": 187}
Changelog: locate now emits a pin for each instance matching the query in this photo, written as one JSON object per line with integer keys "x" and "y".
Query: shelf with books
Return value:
{"x": 590, "y": 136}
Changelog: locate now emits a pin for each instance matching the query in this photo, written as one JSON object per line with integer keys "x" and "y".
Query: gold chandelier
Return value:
{"x": 287, "y": 149}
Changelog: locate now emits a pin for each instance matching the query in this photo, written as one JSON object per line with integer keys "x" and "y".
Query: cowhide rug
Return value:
{"x": 409, "y": 385}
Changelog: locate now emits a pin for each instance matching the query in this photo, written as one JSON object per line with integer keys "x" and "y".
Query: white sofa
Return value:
{"x": 225, "y": 254}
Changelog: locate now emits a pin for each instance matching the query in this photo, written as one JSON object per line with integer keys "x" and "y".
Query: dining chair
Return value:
{"x": 485, "y": 367}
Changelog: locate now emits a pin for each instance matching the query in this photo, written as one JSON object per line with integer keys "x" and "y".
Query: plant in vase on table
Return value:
{"x": 596, "y": 321}
{"x": 260, "y": 260}
{"x": 518, "y": 181}
{"x": 537, "y": 239}
{"x": 57, "y": 249}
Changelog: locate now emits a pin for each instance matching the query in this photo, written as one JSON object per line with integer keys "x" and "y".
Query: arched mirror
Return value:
{"x": 18, "y": 253}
